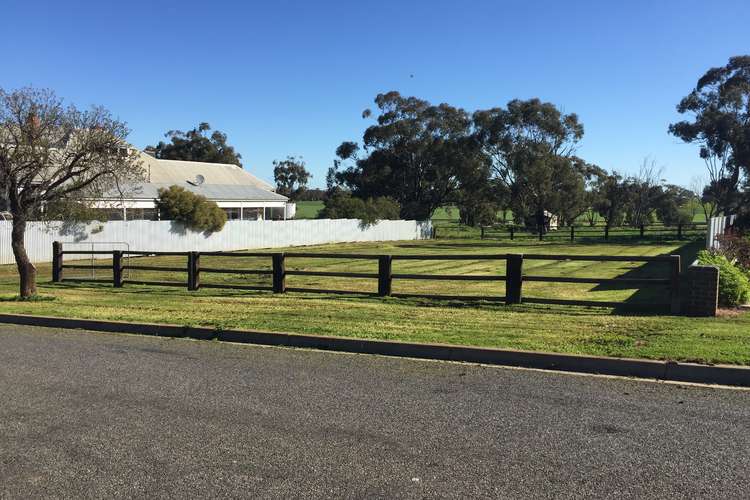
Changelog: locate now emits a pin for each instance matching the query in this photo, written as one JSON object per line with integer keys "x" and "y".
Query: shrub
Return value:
{"x": 736, "y": 248}
{"x": 734, "y": 285}
{"x": 195, "y": 211}
{"x": 342, "y": 205}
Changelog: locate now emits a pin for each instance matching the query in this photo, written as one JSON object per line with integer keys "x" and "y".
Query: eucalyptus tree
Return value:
{"x": 530, "y": 147}
{"x": 196, "y": 145}
{"x": 416, "y": 153}
{"x": 291, "y": 176}
{"x": 719, "y": 107}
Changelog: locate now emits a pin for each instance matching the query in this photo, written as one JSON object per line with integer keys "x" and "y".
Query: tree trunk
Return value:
{"x": 540, "y": 221}
{"x": 26, "y": 270}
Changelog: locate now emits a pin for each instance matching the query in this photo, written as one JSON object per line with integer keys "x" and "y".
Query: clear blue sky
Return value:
{"x": 292, "y": 78}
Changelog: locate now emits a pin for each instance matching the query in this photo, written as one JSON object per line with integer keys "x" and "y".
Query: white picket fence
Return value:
{"x": 166, "y": 236}
{"x": 716, "y": 227}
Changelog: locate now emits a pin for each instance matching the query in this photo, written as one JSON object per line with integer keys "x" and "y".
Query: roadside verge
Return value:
{"x": 641, "y": 368}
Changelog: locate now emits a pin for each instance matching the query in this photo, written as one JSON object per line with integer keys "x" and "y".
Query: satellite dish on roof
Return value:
{"x": 199, "y": 179}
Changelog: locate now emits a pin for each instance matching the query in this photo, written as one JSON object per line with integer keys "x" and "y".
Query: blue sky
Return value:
{"x": 292, "y": 78}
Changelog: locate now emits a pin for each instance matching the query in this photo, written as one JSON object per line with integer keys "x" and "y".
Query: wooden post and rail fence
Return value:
{"x": 679, "y": 231}
{"x": 514, "y": 276}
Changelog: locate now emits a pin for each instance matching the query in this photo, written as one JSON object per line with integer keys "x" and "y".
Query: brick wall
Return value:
{"x": 701, "y": 290}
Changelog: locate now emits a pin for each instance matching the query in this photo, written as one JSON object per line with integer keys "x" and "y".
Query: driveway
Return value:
{"x": 87, "y": 414}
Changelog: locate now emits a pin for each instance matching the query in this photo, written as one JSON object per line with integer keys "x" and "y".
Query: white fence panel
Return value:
{"x": 716, "y": 227}
{"x": 166, "y": 236}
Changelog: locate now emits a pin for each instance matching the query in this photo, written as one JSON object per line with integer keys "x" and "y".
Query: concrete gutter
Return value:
{"x": 642, "y": 368}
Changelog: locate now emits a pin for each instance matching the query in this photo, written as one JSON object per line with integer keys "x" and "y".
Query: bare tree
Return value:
{"x": 645, "y": 187}
{"x": 52, "y": 154}
{"x": 698, "y": 185}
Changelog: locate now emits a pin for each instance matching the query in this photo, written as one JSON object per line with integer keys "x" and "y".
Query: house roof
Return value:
{"x": 182, "y": 172}
{"x": 219, "y": 181}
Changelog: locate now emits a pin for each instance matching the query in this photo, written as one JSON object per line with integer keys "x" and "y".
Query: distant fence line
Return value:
{"x": 716, "y": 227}
{"x": 168, "y": 236}
{"x": 572, "y": 233}
{"x": 513, "y": 277}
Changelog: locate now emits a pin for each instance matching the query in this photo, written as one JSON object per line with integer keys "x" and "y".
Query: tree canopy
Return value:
{"x": 415, "y": 153}
{"x": 529, "y": 146}
{"x": 56, "y": 155}
{"x": 196, "y": 145}
{"x": 291, "y": 177}
{"x": 720, "y": 125}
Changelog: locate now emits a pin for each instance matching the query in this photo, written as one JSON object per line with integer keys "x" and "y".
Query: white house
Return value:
{"x": 242, "y": 195}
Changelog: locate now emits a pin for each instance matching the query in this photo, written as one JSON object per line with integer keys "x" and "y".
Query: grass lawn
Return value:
{"x": 308, "y": 209}
{"x": 600, "y": 331}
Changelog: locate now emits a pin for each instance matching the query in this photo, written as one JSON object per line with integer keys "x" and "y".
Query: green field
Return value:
{"x": 600, "y": 331}
{"x": 308, "y": 209}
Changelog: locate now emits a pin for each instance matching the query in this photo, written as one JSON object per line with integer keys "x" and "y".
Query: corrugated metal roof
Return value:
{"x": 215, "y": 192}
{"x": 180, "y": 172}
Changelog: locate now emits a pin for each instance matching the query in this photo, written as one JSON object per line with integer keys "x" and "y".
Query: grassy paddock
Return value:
{"x": 560, "y": 328}
{"x": 308, "y": 209}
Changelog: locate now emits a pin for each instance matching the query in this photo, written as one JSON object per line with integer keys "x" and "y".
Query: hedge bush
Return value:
{"x": 734, "y": 285}
{"x": 342, "y": 205}
{"x": 197, "y": 212}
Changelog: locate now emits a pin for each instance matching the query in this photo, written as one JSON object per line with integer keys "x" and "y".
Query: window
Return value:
{"x": 107, "y": 214}
{"x": 252, "y": 213}
{"x": 232, "y": 213}
{"x": 274, "y": 213}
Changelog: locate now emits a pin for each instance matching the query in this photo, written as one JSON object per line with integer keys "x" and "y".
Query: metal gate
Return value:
{"x": 98, "y": 245}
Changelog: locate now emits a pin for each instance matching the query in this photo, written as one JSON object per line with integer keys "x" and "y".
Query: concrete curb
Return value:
{"x": 641, "y": 368}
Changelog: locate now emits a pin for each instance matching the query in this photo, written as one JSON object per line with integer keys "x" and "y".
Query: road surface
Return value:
{"x": 86, "y": 414}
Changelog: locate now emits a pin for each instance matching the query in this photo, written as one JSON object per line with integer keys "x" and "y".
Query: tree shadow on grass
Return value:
{"x": 651, "y": 296}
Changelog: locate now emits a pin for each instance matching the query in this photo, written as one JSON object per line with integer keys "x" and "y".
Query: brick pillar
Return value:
{"x": 700, "y": 290}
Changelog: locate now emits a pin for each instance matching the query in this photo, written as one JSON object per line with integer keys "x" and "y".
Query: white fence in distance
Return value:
{"x": 167, "y": 236}
{"x": 716, "y": 227}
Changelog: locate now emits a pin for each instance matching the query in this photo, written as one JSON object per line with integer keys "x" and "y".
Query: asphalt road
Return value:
{"x": 100, "y": 415}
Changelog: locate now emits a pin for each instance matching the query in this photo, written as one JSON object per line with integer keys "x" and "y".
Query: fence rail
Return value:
{"x": 679, "y": 231}
{"x": 513, "y": 277}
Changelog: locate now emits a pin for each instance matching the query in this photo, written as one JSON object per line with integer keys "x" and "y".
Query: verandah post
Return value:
{"x": 57, "y": 261}
{"x": 117, "y": 268}
{"x": 279, "y": 273}
{"x": 513, "y": 278}
{"x": 385, "y": 278}
{"x": 674, "y": 284}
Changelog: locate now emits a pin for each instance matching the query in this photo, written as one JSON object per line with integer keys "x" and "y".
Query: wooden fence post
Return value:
{"x": 117, "y": 268}
{"x": 279, "y": 273}
{"x": 194, "y": 271}
{"x": 679, "y": 231}
{"x": 541, "y": 233}
{"x": 642, "y": 230}
{"x": 511, "y": 232}
{"x": 189, "y": 270}
{"x": 674, "y": 284}
{"x": 57, "y": 262}
{"x": 606, "y": 231}
{"x": 513, "y": 278}
{"x": 572, "y": 233}
{"x": 385, "y": 278}
{"x": 481, "y": 236}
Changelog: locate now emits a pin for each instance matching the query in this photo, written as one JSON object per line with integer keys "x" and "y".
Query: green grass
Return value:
{"x": 598, "y": 331}
{"x": 308, "y": 209}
